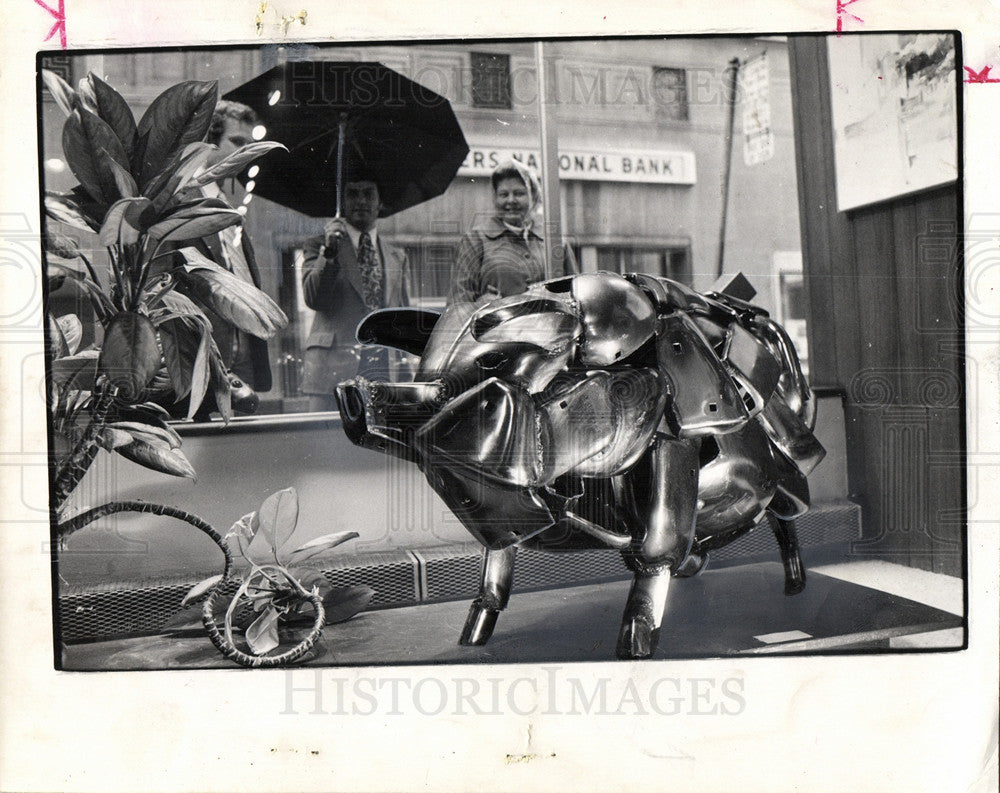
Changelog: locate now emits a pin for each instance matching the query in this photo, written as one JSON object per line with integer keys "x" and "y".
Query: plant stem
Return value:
{"x": 145, "y": 268}
{"x": 90, "y": 269}
{"x": 74, "y": 524}
{"x": 71, "y": 470}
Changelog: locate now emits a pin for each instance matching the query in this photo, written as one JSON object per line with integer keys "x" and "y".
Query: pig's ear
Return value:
{"x": 541, "y": 322}
{"x": 406, "y": 329}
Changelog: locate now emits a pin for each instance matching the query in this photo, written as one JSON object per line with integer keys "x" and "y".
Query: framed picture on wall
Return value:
{"x": 893, "y": 100}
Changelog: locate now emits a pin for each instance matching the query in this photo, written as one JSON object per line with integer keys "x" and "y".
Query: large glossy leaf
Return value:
{"x": 180, "y": 339}
{"x": 123, "y": 220}
{"x": 152, "y": 434}
{"x": 187, "y": 621}
{"x": 114, "y": 110}
{"x": 200, "y": 373}
{"x": 201, "y": 588}
{"x": 124, "y": 183}
{"x": 55, "y": 342}
{"x": 218, "y": 381}
{"x": 112, "y": 438}
{"x": 60, "y": 244}
{"x": 183, "y": 305}
{"x": 244, "y": 530}
{"x": 319, "y": 545}
{"x": 177, "y": 173}
{"x": 100, "y": 300}
{"x": 236, "y": 162}
{"x": 342, "y": 603}
{"x": 61, "y": 91}
{"x": 208, "y": 216}
{"x": 262, "y": 635}
{"x": 149, "y": 411}
{"x": 236, "y": 301}
{"x": 69, "y": 208}
{"x": 72, "y": 331}
{"x": 130, "y": 355}
{"x": 77, "y": 371}
{"x": 180, "y": 115}
{"x": 151, "y": 420}
{"x": 85, "y": 137}
{"x": 85, "y": 91}
{"x": 66, "y": 211}
{"x": 278, "y": 516}
{"x": 157, "y": 458}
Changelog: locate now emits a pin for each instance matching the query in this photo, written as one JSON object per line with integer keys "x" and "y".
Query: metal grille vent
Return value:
{"x": 402, "y": 578}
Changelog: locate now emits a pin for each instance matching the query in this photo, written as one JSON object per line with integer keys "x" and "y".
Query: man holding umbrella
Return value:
{"x": 348, "y": 272}
{"x": 362, "y": 141}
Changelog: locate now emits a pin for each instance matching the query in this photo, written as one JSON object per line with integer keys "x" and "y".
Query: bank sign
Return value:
{"x": 649, "y": 166}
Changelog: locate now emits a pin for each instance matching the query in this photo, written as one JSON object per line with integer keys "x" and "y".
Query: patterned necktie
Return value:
{"x": 371, "y": 273}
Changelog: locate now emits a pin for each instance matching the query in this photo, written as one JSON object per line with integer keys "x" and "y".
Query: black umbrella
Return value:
{"x": 339, "y": 119}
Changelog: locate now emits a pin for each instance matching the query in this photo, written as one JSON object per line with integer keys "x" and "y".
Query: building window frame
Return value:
{"x": 491, "y": 80}
{"x": 670, "y": 93}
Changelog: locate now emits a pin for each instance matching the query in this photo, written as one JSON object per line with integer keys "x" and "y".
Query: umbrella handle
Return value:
{"x": 341, "y": 131}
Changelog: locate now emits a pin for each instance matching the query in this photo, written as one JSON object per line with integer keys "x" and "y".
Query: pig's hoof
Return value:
{"x": 637, "y": 638}
{"x": 479, "y": 625}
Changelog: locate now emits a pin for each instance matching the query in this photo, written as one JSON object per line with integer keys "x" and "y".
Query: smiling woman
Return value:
{"x": 506, "y": 254}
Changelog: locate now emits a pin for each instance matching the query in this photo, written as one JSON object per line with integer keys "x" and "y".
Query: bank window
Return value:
{"x": 491, "y": 80}
{"x": 670, "y": 95}
{"x": 673, "y": 262}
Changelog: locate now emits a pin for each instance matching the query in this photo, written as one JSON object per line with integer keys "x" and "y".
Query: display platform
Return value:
{"x": 734, "y": 611}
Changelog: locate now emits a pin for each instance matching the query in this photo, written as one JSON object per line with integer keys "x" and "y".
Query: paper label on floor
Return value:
{"x": 783, "y": 636}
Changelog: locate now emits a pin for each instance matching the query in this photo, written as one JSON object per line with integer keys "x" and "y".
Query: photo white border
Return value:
{"x": 913, "y": 722}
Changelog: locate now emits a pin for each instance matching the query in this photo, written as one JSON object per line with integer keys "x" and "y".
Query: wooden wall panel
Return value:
{"x": 885, "y": 326}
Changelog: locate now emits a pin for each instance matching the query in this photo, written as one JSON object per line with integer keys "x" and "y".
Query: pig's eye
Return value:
{"x": 492, "y": 360}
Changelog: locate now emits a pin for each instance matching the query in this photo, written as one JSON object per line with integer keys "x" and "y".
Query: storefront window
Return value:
{"x": 637, "y": 192}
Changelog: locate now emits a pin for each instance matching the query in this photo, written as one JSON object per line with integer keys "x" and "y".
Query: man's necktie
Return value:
{"x": 371, "y": 273}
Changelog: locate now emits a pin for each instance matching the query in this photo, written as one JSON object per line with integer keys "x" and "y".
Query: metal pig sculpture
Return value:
{"x": 599, "y": 411}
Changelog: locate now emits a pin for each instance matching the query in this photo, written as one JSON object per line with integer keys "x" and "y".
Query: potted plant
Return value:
{"x": 140, "y": 195}
{"x": 282, "y": 598}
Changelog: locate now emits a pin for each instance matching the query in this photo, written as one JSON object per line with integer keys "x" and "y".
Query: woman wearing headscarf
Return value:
{"x": 506, "y": 253}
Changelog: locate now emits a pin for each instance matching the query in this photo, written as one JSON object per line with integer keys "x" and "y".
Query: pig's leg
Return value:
{"x": 791, "y": 559}
{"x": 669, "y": 532}
{"x": 494, "y": 592}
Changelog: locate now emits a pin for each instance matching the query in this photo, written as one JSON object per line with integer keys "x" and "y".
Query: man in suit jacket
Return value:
{"x": 245, "y": 355}
{"x": 348, "y": 272}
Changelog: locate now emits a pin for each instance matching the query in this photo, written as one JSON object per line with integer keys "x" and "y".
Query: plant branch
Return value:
{"x": 230, "y": 651}
{"x": 73, "y": 468}
{"x": 90, "y": 268}
{"x": 74, "y": 524}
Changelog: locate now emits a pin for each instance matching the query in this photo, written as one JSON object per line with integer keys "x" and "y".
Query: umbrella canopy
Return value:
{"x": 344, "y": 119}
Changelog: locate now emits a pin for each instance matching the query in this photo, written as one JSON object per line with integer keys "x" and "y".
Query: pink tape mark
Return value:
{"x": 60, "y": 21}
{"x": 982, "y": 76}
{"x": 841, "y": 13}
